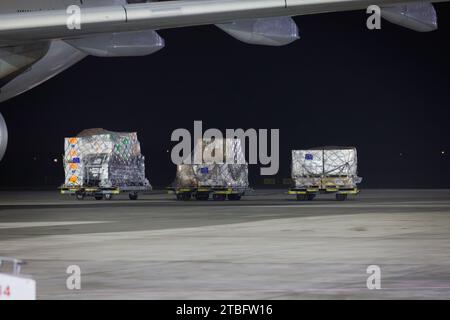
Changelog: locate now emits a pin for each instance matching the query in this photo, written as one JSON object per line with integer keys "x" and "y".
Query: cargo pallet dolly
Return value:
{"x": 100, "y": 193}
{"x": 310, "y": 193}
{"x": 203, "y": 193}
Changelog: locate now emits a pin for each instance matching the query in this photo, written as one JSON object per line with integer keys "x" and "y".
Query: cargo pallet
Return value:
{"x": 310, "y": 193}
{"x": 203, "y": 193}
{"x": 100, "y": 193}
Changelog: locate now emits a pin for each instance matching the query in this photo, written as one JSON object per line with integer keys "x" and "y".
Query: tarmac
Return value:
{"x": 266, "y": 246}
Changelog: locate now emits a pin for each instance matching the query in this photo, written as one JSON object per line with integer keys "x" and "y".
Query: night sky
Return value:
{"x": 385, "y": 92}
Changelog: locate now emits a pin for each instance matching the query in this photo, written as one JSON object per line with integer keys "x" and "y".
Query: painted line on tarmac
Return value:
{"x": 16, "y": 225}
{"x": 243, "y": 204}
{"x": 350, "y": 206}
{"x": 81, "y": 203}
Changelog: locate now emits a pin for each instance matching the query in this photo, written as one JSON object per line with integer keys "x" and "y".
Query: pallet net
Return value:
{"x": 223, "y": 165}
{"x": 101, "y": 158}
{"x": 324, "y": 167}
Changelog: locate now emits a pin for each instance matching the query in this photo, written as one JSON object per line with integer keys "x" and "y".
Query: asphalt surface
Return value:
{"x": 266, "y": 246}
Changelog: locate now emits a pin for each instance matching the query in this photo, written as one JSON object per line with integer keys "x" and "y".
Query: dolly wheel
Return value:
{"x": 108, "y": 196}
{"x": 79, "y": 195}
{"x": 341, "y": 196}
{"x": 98, "y": 197}
{"x": 203, "y": 196}
{"x": 219, "y": 197}
{"x": 302, "y": 197}
{"x": 184, "y": 196}
{"x": 234, "y": 197}
{"x": 133, "y": 196}
{"x": 311, "y": 196}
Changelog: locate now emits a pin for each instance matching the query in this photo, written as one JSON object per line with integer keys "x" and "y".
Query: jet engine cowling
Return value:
{"x": 3, "y": 137}
{"x": 267, "y": 31}
{"x": 123, "y": 44}
{"x": 417, "y": 16}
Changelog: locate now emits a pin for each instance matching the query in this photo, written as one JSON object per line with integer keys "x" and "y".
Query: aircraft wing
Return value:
{"x": 35, "y": 46}
{"x": 52, "y": 24}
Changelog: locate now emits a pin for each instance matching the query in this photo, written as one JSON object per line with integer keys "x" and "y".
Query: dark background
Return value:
{"x": 385, "y": 92}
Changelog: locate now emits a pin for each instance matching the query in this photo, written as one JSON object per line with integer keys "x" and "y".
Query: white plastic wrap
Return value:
{"x": 418, "y": 16}
{"x": 322, "y": 167}
{"x": 103, "y": 158}
{"x": 210, "y": 174}
{"x": 268, "y": 31}
{"x": 124, "y": 44}
{"x": 340, "y": 162}
{"x": 307, "y": 163}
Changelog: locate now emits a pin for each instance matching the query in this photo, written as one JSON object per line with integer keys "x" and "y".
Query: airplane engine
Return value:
{"x": 268, "y": 31}
{"x": 123, "y": 44}
{"x": 417, "y": 16}
{"x": 3, "y": 137}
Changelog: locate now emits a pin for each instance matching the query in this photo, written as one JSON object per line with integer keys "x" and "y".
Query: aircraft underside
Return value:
{"x": 36, "y": 43}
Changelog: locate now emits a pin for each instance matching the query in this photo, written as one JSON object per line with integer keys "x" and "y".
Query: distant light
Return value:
{"x": 34, "y": 158}
{"x": 55, "y": 160}
{"x": 443, "y": 152}
{"x": 401, "y": 154}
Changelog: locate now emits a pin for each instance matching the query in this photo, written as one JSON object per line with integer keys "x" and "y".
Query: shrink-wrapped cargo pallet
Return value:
{"x": 332, "y": 169}
{"x": 104, "y": 159}
{"x": 223, "y": 171}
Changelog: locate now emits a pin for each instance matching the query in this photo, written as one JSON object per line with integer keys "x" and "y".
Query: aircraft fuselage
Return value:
{"x": 14, "y": 6}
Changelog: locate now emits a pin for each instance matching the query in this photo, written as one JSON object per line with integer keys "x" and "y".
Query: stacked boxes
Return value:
{"x": 103, "y": 158}
{"x": 223, "y": 166}
{"x": 325, "y": 167}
